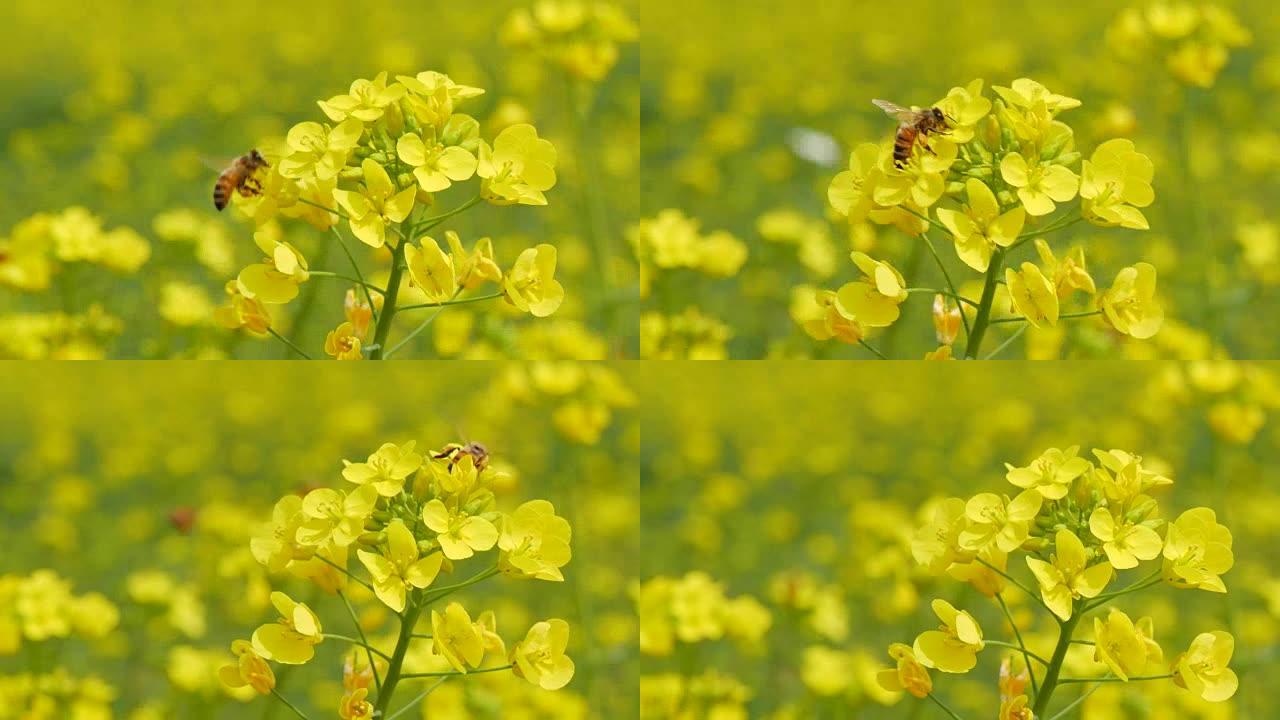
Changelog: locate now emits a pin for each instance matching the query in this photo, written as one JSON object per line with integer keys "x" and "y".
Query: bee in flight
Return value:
{"x": 455, "y": 452}
{"x": 913, "y": 124}
{"x": 239, "y": 177}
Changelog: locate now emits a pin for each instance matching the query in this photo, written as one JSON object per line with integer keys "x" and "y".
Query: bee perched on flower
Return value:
{"x": 375, "y": 169}
{"x": 1076, "y": 523}
{"x": 410, "y": 520}
{"x": 1008, "y": 163}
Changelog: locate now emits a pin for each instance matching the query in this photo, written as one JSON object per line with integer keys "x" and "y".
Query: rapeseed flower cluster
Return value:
{"x": 1006, "y": 162}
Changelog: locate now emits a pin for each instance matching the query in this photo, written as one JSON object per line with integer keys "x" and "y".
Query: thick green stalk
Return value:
{"x": 983, "y": 318}
{"x": 389, "y": 302}
{"x": 1055, "y": 664}
{"x": 389, "y": 683}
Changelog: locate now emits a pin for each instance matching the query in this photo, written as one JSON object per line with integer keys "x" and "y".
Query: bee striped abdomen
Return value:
{"x": 223, "y": 188}
{"x": 902, "y": 145}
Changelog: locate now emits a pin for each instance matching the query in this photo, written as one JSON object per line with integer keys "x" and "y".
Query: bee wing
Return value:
{"x": 896, "y": 111}
{"x": 217, "y": 164}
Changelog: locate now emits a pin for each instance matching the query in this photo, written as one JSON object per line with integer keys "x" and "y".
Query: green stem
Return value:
{"x": 373, "y": 667}
{"x": 417, "y": 700}
{"x": 968, "y": 331}
{"x": 353, "y": 281}
{"x": 1008, "y": 341}
{"x": 344, "y": 571}
{"x": 1067, "y": 681}
{"x": 983, "y": 318}
{"x": 339, "y": 213}
{"x": 1017, "y": 634}
{"x": 1103, "y": 599}
{"x": 288, "y": 704}
{"x": 1064, "y": 316}
{"x": 407, "y": 622}
{"x": 1063, "y": 713}
{"x": 447, "y": 303}
{"x": 430, "y": 222}
{"x": 423, "y": 325}
{"x": 408, "y": 676}
{"x": 450, "y": 589}
{"x": 943, "y": 705}
{"x": 353, "y": 641}
{"x": 1034, "y": 595}
{"x": 1066, "y": 628}
{"x": 355, "y": 266}
{"x": 874, "y": 351}
{"x": 288, "y": 342}
{"x": 1021, "y": 648}
{"x": 389, "y": 302}
{"x": 1024, "y": 237}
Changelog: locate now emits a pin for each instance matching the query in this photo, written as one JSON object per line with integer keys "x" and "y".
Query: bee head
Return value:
{"x": 256, "y": 157}
{"x": 939, "y": 117}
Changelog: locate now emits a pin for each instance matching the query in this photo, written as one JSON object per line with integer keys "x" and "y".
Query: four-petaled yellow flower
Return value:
{"x": 850, "y": 192}
{"x": 1051, "y": 474}
{"x": 433, "y": 95}
{"x": 1069, "y": 576}
{"x": 1039, "y": 187}
{"x": 873, "y": 302}
{"x": 386, "y": 469}
{"x": 519, "y": 167}
{"x": 355, "y": 705}
{"x": 540, "y": 658}
{"x": 1066, "y": 275}
{"x": 400, "y": 569}
{"x": 371, "y": 209}
{"x": 460, "y": 535}
{"x": 476, "y": 267}
{"x": 981, "y": 227}
{"x": 274, "y": 281}
{"x": 997, "y": 520}
{"x": 1130, "y": 304}
{"x": 455, "y": 638}
{"x": 366, "y": 101}
{"x": 334, "y": 517}
{"x": 531, "y": 285}
{"x": 535, "y": 542}
{"x": 1032, "y": 295}
{"x": 293, "y": 638}
{"x": 953, "y": 648}
{"x": 1197, "y": 551}
{"x": 436, "y": 166}
{"x": 431, "y": 270}
{"x": 909, "y": 675}
{"x": 250, "y": 669}
{"x": 1124, "y": 542}
{"x": 343, "y": 343}
{"x": 1124, "y": 646}
{"x": 318, "y": 151}
{"x": 1114, "y": 183}
{"x": 1203, "y": 670}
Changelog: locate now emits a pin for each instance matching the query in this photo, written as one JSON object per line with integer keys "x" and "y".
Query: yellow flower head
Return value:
{"x": 319, "y": 151}
{"x": 937, "y": 544}
{"x": 1114, "y": 183}
{"x": 540, "y": 658}
{"x": 964, "y": 108}
{"x": 378, "y": 203}
{"x": 366, "y": 101}
{"x": 292, "y": 639}
{"x": 519, "y": 167}
{"x": 399, "y": 569}
{"x": 909, "y": 675}
{"x": 242, "y": 311}
{"x": 1203, "y": 670}
{"x": 436, "y": 166}
{"x": 460, "y": 535}
{"x": 355, "y": 705}
{"x": 1039, "y": 187}
{"x": 431, "y": 270}
{"x": 981, "y": 227}
{"x": 386, "y": 469}
{"x": 334, "y": 517}
{"x": 1051, "y": 474}
{"x": 997, "y": 520}
{"x": 274, "y": 281}
{"x": 433, "y": 96}
{"x": 822, "y": 317}
{"x": 1130, "y": 304}
{"x": 342, "y": 343}
{"x": 535, "y": 542}
{"x": 953, "y": 648}
{"x": 476, "y": 267}
{"x": 851, "y": 192}
{"x": 1125, "y": 542}
{"x": 1032, "y": 295}
{"x": 456, "y": 638}
{"x": 1069, "y": 575}
{"x": 1124, "y": 646}
{"x": 530, "y": 285}
{"x": 1066, "y": 275}
{"x": 1197, "y": 551}
{"x": 873, "y": 302}
{"x": 250, "y": 669}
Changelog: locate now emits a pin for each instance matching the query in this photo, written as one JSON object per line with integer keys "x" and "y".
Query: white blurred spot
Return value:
{"x": 815, "y": 146}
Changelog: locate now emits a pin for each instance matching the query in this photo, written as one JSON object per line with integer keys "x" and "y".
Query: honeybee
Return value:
{"x": 913, "y": 124}
{"x": 239, "y": 177}
{"x": 454, "y": 452}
